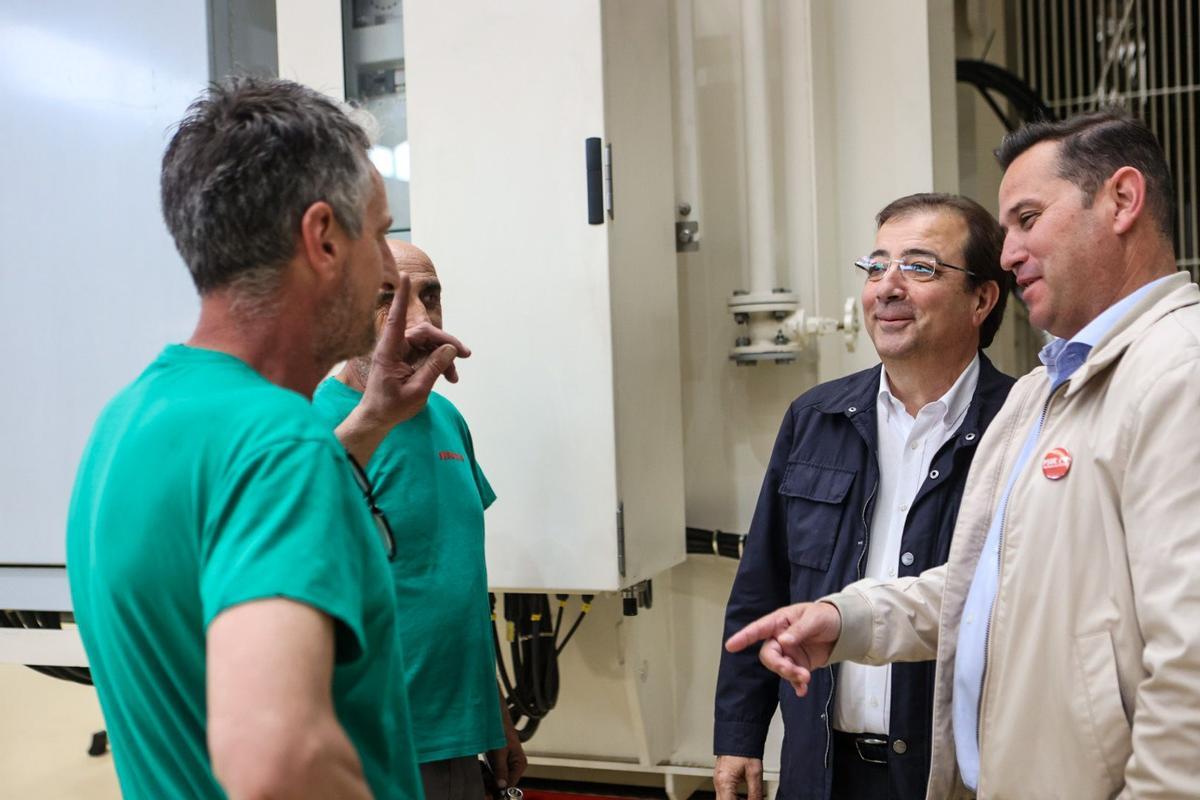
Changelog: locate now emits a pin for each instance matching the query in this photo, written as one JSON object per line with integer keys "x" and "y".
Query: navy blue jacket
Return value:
{"x": 808, "y": 539}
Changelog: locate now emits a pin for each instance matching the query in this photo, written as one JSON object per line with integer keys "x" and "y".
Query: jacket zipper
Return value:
{"x": 866, "y": 529}
{"x": 862, "y": 554}
{"x": 828, "y": 724}
{"x": 987, "y": 631}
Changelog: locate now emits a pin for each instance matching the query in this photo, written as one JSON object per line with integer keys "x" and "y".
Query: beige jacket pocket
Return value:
{"x": 1103, "y": 721}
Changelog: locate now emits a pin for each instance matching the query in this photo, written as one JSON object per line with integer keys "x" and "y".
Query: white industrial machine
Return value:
{"x": 91, "y": 287}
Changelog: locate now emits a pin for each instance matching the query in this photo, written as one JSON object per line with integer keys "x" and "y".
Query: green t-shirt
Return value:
{"x": 204, "y": 486}
{"x": 427, "y": 482}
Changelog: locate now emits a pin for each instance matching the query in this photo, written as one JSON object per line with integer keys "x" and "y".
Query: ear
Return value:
{"x": 986, "y": 296}
{"x": 321, "y": 240}
{"x": 1126, "y": 191}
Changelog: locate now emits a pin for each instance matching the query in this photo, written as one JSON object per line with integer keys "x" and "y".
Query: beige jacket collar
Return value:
{"x": 1172, "y": 294}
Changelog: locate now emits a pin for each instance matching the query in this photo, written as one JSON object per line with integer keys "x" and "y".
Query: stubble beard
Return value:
{"x": 362, "y": 368}
{"x": 343, "y": 330}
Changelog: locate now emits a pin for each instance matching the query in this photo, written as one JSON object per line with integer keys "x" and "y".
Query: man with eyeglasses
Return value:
{"x": 1064, "y": 624}
{"x": 865, "y": 481}
{"x": 230, "y": 587}
{"x": 429, "y": 486}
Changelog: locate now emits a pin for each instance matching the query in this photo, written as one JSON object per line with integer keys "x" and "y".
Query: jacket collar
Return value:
{"x": 856, "y": 396}
{"x": 1170, "y": 295}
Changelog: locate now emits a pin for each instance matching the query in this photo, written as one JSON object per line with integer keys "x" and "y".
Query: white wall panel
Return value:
{"x": 90, "y": 285}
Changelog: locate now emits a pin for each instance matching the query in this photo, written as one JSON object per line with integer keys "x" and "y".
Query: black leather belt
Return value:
{"x": 869, "y": 747}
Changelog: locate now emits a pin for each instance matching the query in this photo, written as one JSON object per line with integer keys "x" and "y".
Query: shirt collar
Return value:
{"x": 1090, "y": 335}
{"x": 954, "y": 402}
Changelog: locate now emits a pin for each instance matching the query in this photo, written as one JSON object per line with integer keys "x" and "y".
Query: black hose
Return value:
{"x": 531, "y": 691}
{"x": 701, "y": 541}
{"x": 584, "y": 607}
{"x": 44, "y": 620}
{"x": 558, "y": 617}
{"x": 986, "y": 77}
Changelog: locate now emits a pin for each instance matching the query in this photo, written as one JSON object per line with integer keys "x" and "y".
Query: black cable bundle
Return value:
{"x": 715, "y": 543}
{"x": 534, "y": 646}
{"x": 986, "y": 77}
{"x": 44, "y": 620}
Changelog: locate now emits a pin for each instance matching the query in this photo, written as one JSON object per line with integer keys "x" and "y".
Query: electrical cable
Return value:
{"x": 584, "y": 608}
{"x": 986, "y": 77}
{"x": 701, "y": 541}
{"x": 558, "y": 617}
{"x": 531, "y": 689}
{"x": 44, "y": 620}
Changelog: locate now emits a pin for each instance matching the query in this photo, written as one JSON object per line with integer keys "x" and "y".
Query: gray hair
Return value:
{"x": 245, "y": 163}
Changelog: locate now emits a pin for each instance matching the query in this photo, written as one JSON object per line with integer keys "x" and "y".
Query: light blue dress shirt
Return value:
{"x": 1062, "y": 358}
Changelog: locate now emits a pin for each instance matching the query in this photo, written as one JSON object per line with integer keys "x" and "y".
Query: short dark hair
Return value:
{"x": 985, "y": 240}
{"x": 1092, "y": 147}
{"x": 245, "y": 163}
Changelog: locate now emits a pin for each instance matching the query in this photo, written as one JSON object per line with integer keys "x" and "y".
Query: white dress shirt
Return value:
{"x": 907, "y": 446}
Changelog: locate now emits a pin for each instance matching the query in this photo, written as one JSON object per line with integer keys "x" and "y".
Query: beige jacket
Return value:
{"x": 1092, "y": 686}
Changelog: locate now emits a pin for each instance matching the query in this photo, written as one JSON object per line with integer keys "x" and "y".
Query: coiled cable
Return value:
{"x": 531, "y": 692}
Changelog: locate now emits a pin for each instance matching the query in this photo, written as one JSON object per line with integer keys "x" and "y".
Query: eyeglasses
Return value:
{"x": 921, "y": 269}
{"x": 381, "y": 523}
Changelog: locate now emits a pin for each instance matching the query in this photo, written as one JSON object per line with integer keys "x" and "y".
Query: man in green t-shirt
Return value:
{"x": 228, "y": 572}
{"x": 431, "y": 488}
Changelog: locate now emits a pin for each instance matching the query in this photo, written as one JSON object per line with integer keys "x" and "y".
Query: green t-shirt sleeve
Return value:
{"x": 287, "y": 521}
{"x": 486, "y": 495}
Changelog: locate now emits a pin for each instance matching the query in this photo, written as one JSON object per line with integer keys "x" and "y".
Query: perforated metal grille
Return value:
{"x": 1141, "y": 54}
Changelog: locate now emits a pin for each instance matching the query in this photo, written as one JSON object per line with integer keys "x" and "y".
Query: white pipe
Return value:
{"x": 687, "y": 151}
{"x": 799, "y": 146}
{"x": 760, "y": 194}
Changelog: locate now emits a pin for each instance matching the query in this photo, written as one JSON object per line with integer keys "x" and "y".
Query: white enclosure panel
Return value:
{"x": 91, "y": 286}
{"x": 501, "y": 99}
{"x": 645, "y": 290}
{"x": 310, "y": 44}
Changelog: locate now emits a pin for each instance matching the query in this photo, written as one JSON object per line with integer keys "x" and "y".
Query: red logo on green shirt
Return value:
{"x": 447, "y": 455}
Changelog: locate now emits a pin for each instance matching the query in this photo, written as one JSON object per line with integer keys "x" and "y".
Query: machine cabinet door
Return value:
{"x": 573, "y": 392}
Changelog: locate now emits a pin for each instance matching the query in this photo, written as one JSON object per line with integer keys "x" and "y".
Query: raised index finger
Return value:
{"x": 392, "y": 342}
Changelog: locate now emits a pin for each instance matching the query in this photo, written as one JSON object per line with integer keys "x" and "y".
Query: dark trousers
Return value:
{"x": 453, "y": 779}
{"x": 860, "y": 769}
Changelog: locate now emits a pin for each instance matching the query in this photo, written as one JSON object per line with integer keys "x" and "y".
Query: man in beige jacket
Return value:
{"x": 1066, "y": 624}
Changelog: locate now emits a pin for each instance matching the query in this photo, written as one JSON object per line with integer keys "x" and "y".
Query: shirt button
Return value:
{"x": 900, "y": 747}
{"x": 933, "y": 474}
{"x": 874, "y": 703}
{"x": 891, "y": 573}
{"x": 904, "y": 507}
{"x": 906, "y": 559}
{"x": 913, "y": 445}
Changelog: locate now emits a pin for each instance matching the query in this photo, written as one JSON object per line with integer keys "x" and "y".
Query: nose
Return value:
{"x": 1013, "y": 254}
{"x": 416, "y": 308}
{"x": 892, "y": 286}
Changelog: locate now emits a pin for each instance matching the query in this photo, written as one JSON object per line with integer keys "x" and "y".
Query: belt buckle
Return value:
{"x": 859, "y": 741}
